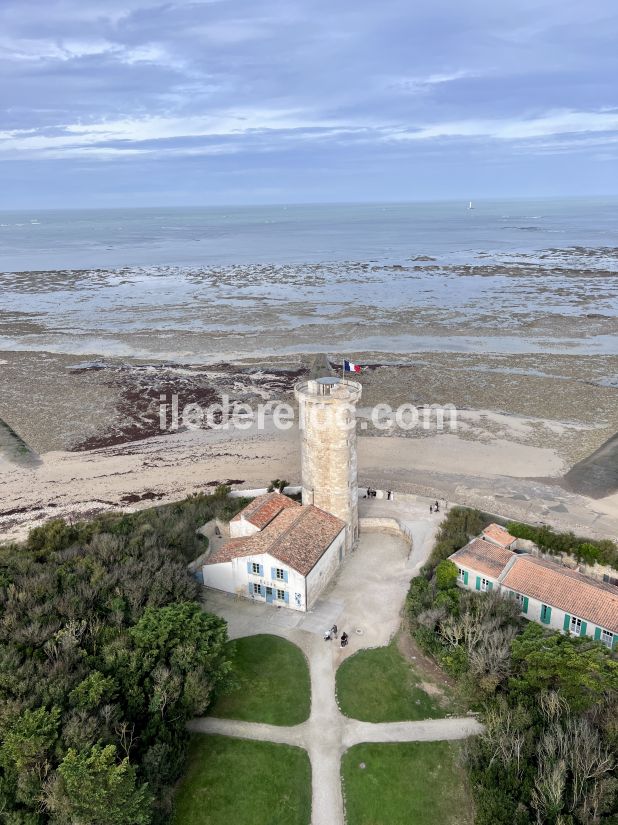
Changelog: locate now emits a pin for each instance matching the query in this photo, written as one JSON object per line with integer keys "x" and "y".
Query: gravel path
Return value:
{"x": 327, "y": 734}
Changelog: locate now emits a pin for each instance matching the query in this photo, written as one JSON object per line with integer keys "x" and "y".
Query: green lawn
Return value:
{"x": 273, "y": 682}
{"x": 412, "y": 783}
{"x": 380, "y": 685}
{"x": 239, "y": 782}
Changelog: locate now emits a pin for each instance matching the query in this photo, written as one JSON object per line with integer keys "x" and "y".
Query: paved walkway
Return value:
{"x": 366, "y": 599}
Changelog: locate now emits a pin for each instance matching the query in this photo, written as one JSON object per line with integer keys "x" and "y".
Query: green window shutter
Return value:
{"x": 615, "y": 642}
{"x": 584, "y": 629}
{"x": 567, "y": 622}
{"x": 490, "y": 585}
{"x": 545, "y": 614}
{"x": 525, "y": 607}
{"x": 478, "y": 582}
{"x": 465, "y": 577}
{"x": 597, "y": 634}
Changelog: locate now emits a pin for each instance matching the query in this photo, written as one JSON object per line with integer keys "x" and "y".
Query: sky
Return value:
{"x": 139, "y": 103}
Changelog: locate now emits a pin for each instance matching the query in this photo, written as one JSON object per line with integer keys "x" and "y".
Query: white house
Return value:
{"x": 279, "y": 553}
{"x": 547, "y": 592}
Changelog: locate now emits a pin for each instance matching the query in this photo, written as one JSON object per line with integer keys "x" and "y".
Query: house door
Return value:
{"x": 269, "y": 595}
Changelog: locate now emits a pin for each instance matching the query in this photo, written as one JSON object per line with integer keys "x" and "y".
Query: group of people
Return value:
{"x": 435, "y": 507}
{"x": 332, "y": 634}
{"x": 371, "y": 493}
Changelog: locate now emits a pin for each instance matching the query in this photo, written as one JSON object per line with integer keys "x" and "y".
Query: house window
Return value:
{"x": 279, "y": 574}
{"x": 281, "y": 595}
{"x": 545, "y": 613}
{"x": 517, "y": 596}
{"x": 485, "y": 585}
{"x": 255, "y": 568}
{"x": 607, "y": 638}
{"x": 257, "y": 589}
{"x": 460, "y": 574}
{"x": 576, "y": 626}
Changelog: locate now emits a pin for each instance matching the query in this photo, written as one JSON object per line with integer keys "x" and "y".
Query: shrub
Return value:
{"x": 446, "y": 575}
{"x": 104, "y": 655}
{"x": 602, "y": 551}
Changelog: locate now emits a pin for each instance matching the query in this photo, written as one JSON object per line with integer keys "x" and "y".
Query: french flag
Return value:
{"x": 348, "y": 366}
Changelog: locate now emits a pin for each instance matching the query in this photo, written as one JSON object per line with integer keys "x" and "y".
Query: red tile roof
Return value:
{"x": 496, "y": 533}
{"x": 483, "y": 556}
{"x": 297, "y": 536}
{"x": 263, "y": 509}
{"x": 565, "y": 589}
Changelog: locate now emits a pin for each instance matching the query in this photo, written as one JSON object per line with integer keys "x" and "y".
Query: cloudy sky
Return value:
{"x": 134, "y": 102}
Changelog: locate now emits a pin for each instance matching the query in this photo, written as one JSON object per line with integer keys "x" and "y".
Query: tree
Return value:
{"x": 181, "y": 656}
{"x": 29, "y": 737}
{"x": 93, "y": 691}
{"x": 584, "y": 672}
{"x": 446, "y": 575}
{"x": 91, "y": 788}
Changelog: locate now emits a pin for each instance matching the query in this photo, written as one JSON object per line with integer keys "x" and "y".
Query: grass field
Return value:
{"x": 273, "y": 683}
{"x": 239, "y": 782}
{"x": 412, "y": 783}
{"x": 380, "y": 685}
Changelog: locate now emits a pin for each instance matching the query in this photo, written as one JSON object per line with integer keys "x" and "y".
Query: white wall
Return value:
{"x": 294, "y": 586}
{"x": 533, "y": 613}
{"x": 472, "y": 574}
{"x": 241, "y": 527}
{"x": 318, "y": 578}
{"x": 219, "y": 576}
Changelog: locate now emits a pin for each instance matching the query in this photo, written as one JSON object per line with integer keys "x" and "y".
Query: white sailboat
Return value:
{"x": 470, "y": 206}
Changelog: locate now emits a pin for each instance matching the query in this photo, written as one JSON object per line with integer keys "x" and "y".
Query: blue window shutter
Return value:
{"x": 584, "y": 629}
{"x": 567, "y": 622}
{"x": 478, "y": 582}
{"x": 249, "y": 567}
{"x": 250, "y": 589}
{"x": 490, "y": 585}
{"x": 465, "y": 577}
{"x": 285, "y": 575}
{"x": 525, "y": 607}
{"x": 597, "y": 634}
{"x": 286, "y": 597}
{"x": 261, "y": 569}
{"x": 273, "y": 573}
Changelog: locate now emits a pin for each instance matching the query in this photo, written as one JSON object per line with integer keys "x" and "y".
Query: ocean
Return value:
{"x": 201, "y": 284}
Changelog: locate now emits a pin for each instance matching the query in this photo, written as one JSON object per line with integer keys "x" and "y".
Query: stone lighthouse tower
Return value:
{"x": 327, "y": 410}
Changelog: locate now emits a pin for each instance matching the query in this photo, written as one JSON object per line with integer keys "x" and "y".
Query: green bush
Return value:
{"x": 446, "y": 575}
{"x": 460, "y": 525}
{"x": 602, "y": 551}
{"x": 104, "y": 655}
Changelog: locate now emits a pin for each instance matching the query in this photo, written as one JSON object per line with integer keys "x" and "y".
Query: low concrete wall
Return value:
{"x": 290, "y": 490}
{"x": 386, "y": 525}
{"x": 595, "y": 571}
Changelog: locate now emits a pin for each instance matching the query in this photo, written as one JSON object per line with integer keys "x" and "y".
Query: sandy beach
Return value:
{"x": 518, "y": 435}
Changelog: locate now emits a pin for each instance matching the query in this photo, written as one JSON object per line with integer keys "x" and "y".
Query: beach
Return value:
{"x": 509, "y": 315}
{"x": 516, "y": 435}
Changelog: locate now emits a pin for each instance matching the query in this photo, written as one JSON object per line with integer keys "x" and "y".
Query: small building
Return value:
{"x": 279, "y": 553}
{"x": 496, "y": 534}
{"x": 546, "y": 592}
{"x": 480, "y": 564}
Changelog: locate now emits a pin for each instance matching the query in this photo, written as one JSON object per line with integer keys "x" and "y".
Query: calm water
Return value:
{"x": 283, "y": 234}
{"x": 202, "y": 284}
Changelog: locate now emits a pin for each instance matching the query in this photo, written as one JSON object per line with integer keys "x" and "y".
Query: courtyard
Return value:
{"x": 365, "y": 599}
